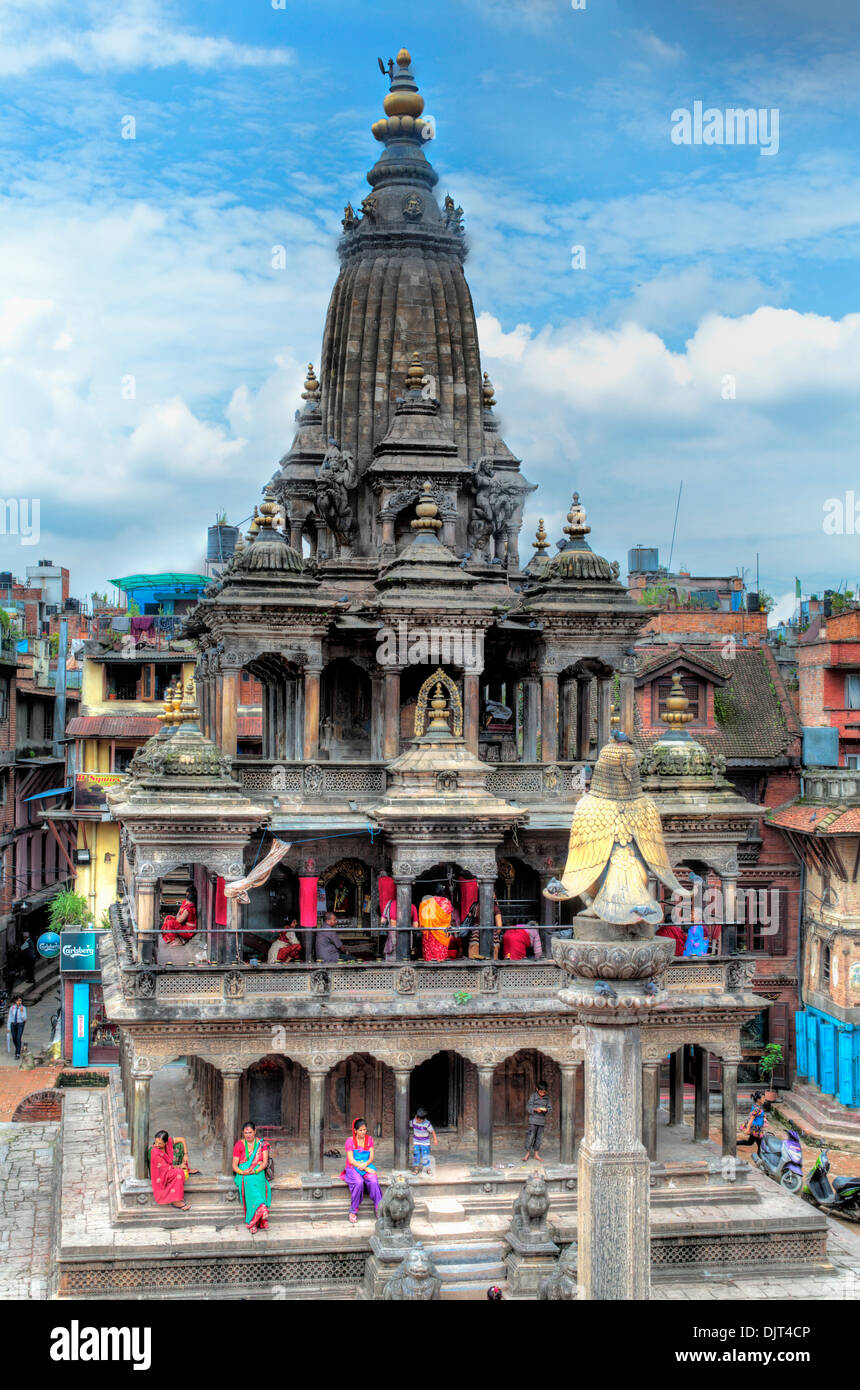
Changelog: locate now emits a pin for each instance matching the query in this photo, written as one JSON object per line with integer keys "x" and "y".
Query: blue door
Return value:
{"x": 827, "y": 1034}
{"x": 800, "y": 1044}
{"x": 846, "y": 1066}
{"x": 80, "y": 1025}
{"x": 813, "y": 1060}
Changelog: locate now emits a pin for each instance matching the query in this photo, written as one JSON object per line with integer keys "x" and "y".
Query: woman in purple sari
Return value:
{"x": 359, "y": 1173}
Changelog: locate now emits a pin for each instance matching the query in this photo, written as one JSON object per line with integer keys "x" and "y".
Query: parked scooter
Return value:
{"x": 782, "y": 1160}
{"x": 841, "y": 1196}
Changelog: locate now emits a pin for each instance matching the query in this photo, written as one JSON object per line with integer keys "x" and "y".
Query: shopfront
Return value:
{"x": 89, "y": 1039}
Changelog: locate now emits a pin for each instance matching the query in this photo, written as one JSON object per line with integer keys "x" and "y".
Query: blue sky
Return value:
{"x": 151, "y": 259}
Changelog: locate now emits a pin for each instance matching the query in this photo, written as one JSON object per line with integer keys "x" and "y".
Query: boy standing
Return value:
{"x": 422, "y": 1133}
{"x": 538, "y": 1109}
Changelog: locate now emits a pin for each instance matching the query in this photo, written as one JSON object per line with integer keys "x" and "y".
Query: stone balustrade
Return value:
{"x": 831, "y": 784}
{"x": 270, "y": 777}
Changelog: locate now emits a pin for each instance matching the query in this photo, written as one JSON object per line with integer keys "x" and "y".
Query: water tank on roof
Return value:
{"x": 753, "y": 603}
{"x": 643, "y": 559}
{"x": 221, "y": 542}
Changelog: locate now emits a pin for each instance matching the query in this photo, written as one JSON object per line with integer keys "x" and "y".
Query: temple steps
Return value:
{"x": 468, "y": 1268}
{"x": 819, "y": 1118}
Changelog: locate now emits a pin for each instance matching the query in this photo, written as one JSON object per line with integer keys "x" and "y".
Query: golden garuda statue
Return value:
{"x": 616, "y": 842}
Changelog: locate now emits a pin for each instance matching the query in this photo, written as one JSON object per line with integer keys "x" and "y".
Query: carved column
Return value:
{"x": 568, "y": 1111}
{"x": 230, "y": 1120}
{"x": 391, "y": 737}
{"x": 650, "y": 1105}
{"x": 377, "y": 717}
{"x": 584, "y": 697}
{"x": 701, "y": 1061}
{"x": 403, "y": 888}
{"x": 448, "y": 534}
{"x": 311, "y": 748}
{"x": 144, "y": 906}
{"x": 729, "y": 935}
{"x": 229, "y": 718}
{"x": 401, "y": 1115}
{"x": 568, "y": 751}
{"x": 316, "y": 1121}
{"x": 485, "y": 1117}
{"x": 676, "y": 1087}
{"x": 140, "y": 1122}
{"x": 604, "y": 710}
{"x": 471, "y": 709}
{"x": 729, "y": 1078}
{"x": 627, "y": 705}
{"x": 549, "y": 717}
{"x": 388, "y": 550}
{"x": 486, "y": 889}
{"x": 530, "y": 719}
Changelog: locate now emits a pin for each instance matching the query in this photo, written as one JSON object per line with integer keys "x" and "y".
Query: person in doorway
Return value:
{"x": 182, "y": 925}
{"x": 27, "y": 956}
{"x": 754, "y": 1127}
{"x": 423, "y": 1134}
{"x": 475, "y": 934}
{"x": 286, "y": 947}
{"x": 389, "y": 916}
{"x": 15, "y": 1020}
{"x": 519, "y": 940}
{"x": 250, "y": 1158}
{"x": 538, "y": 1109}
{"x": 434, "y": 919}
{"x": 329, "y": 947}
{"x": 168, "y": 1179}
{"x": 359, "y": 1172}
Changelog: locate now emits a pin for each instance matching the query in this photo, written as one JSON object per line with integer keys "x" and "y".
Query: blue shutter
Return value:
{"x": 845, "y": 1049}
{"x": 813, "y": 1059}
{"x": 827, "y": 1034}
{"x": 800, "y": 1044}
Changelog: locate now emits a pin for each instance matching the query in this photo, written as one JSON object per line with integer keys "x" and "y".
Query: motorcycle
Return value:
{"x": 782, "y": 1160}
{"x": 841, "y": 1196}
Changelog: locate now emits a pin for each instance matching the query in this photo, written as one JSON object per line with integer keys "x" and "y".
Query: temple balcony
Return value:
{"x": 831, "y": 784}
{"x": 265, "y": 778}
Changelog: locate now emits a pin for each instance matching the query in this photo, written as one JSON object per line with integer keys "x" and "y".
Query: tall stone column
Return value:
{"x": 311, "y": 746}
{"x": 701, "y": 1062}
{"x": 377, "y": 717}
{"x": 568, "y": 751}
{"x": 729, "y": 1078}
{"x": 316, "y": 1121}
{"x": 391, "y": 736}
{"x": 584, "y": 705}
{"x": 471, "y": 709}
{"x": 604, "y": 710}
{"x": 676, "y": 1087}
{"x": 229, "y": 712}
{"x": 549, "y": 717}
{"x": 401, "y": 1115}
{"x": 230, "y": 1119}
{"x": 486, "y": 890}
{"x": 568, "y": 1111}
{"x": 650, "y": 1106}
{"x": 144, "y": 907}
{"x": 627, "y": 699}
{"x": 140, "y": 1122}
{"x": 389, "y": 549}
{"x": 403, "y": 888}
{"x": 485, "y": 1116}
{"x": 530, "y": 719}
{"x": 729, "y": 934}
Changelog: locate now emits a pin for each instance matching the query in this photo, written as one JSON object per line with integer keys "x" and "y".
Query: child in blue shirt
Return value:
{"x": 422, "y": 1133}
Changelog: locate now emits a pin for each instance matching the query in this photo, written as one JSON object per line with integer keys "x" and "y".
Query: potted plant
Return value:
{"x": 69, "y": 910}
{"x": 768, "y": 1062}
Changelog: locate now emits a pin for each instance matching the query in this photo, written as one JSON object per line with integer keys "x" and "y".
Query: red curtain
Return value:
{"x": 220, "y": 904}
{"x": 387, "y": 891}
{"x": 308, "y": 901}
{"x": 468, "y": 894}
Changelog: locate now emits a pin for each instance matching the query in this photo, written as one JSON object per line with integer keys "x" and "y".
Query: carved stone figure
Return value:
{"x": 453, "y": 216}
{"x": 395, "y": 1213}
{"x": 529, "y": 1224}
{"x": 349, "y": 221}
{"x": 495, "y": 503}
{"x": 561, "y": 1286}
{"x": 416, "y": 1279}
{"x": 337, "y": 475}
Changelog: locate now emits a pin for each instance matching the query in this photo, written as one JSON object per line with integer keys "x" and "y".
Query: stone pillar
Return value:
{"x": 391, "y": 735}
{"x": 549, "y": 717}
{"x": 388, "y": 550}
{"x": 702, "y": 1112}
{"x": 401, "y": 1116}
{"x": 311, "y": 747}
{"x": 650, "y": 1106}
{"x": 471, "y": 709}
{"x": 486, "y": 889}
{"x": 530, "y": 719}
{"x": 567, "y": 1107}
{"x": 613, "y": 1215}
{"x": 377, "y": 717}
{"x": 403, "y": 887}
{"x": 140, "y": 1122}
{"x": 729, "y": 1078}
{"x": 230, "y": 1119}
{"x": 296, "y": 534}
{"x": 604, "y": 710}
{"x": 316, "y": 1121}
{"x": 548, "y": 915}
{"x": 626, "y": 712}
{"x": 485, "y": 1116}
{"x": 676, "y": 1087}
{"x": 568, "y": 750}
{"x": 448, "y": 534}
{"x": 144, "y": 906}
{"x": 584, "y": 706}
{"x": 229, "y": 716}
{"x": 729, "y": 935}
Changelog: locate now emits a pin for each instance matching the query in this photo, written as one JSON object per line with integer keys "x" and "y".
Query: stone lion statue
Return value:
{"x": 415, "y": 1280}
{"x": 395, "y": 1211}
{"x": 561, "y": 1285}
{"x": 529, "y": 1222}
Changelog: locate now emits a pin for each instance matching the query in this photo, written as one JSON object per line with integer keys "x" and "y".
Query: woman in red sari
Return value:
{"x": 434, "y": 919}
{"x": 168, "y": 1183}
{"x": 183, "y": 925}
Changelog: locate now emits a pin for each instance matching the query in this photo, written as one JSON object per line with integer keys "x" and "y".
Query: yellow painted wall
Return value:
{"x": 97, "y": 880}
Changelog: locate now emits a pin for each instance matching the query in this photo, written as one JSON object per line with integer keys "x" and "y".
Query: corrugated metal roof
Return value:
{"x": 113, "y": 726}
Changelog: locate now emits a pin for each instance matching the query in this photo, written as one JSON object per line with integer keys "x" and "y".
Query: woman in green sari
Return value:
{"x": 250, "y": 1157}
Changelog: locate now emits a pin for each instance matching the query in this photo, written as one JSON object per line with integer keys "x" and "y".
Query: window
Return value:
{"x": 825, "y": 965}
{"x": 691, "y": 688}
{"x": 852, "y": 760}
{"x": 121, "y": 759}
{"x": 852, "y": 691}
{"x": 4, "y": 699}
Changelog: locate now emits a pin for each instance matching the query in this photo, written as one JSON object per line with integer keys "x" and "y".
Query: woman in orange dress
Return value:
{"x": 434, "y": 919}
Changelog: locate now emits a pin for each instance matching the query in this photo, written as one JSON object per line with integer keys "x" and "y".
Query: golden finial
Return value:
{"x": 404, "y": 58}
{"x": 414, "y": 373}
{"x": 268, "y": 509}
{"x": 489, "y": 392}
{"x": 439, "y": 706}
{"x": 255, "y": 524}
{"x": 427, "y": 518}
{"x": 540, "y": 543}
{"x": 576, "y": 519}
{"x": 239, "y": 546}
{"x": 614, "y": 717}
{"x": 188, "y": 708}
{"x": 312, "y": 386}
{"x": 167, "y": 706}
{"x": 677, "y": 705}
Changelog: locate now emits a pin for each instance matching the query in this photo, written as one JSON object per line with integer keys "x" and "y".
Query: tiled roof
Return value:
{"x": 249, "y": 726}
{"x": 763, "y": 722}
{"x": 113, "y": 726}
{"x": 817, "y": 820}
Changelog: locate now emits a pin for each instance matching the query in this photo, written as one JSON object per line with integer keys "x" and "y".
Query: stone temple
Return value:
{"x": 433, "y": 701}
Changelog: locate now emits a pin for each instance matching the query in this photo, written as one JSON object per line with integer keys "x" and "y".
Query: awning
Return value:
{"x": 58, "y": 791}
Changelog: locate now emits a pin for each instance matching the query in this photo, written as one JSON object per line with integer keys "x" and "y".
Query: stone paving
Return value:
{"x": 26, "y": 1171}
